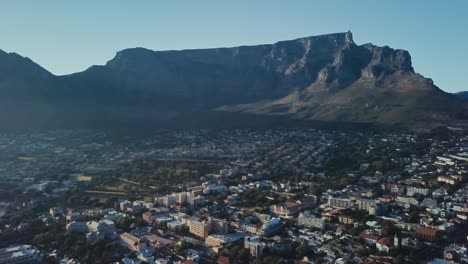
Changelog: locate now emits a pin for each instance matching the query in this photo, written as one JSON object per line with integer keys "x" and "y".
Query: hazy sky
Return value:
{"x": 69, "y": 36}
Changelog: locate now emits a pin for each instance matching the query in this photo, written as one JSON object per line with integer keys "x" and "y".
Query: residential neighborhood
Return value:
{"x": 242, "y": 196}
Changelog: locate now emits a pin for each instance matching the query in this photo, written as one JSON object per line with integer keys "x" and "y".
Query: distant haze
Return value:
{"x": 67, "y": 37}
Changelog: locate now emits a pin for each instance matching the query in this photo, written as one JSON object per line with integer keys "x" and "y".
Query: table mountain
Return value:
{"x": 327, "y": 78}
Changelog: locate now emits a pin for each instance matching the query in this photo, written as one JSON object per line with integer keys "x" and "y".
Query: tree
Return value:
{"x": 388, "y": 228}
{"x": 303, "y": 250}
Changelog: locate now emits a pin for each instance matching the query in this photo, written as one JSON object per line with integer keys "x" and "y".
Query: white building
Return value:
{"x": 310, "y": 220}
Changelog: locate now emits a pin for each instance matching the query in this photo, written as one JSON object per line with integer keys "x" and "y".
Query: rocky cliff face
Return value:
{"x": 326, "y": 77}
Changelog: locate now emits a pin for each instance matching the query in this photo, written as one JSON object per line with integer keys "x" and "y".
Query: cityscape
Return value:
{"x": 234, "y": 132}
{"x": 260, "y": 196}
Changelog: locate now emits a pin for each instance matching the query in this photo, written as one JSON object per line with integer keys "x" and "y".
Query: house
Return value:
{"x": 369, "y": 238}
{"x": 55, "y": 211}
{"x": 384, "y": 244}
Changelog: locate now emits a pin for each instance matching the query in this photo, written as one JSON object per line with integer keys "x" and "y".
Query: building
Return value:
{"x": 346, "y": 219}
{"x": 55, "y": 212}
{"x": 132, "y": 242}
{"x": 101, "y": 229}
{"x": 20, "y": 254}
{"x": 158, "y": 242}
{"x": 73, "y": 216}
{"x": 124, "y": 205}
{"x": 212, "y": 189}
{"x": 270, "y": 227}
{"x": 339, "y": 202}
{"x": 365, "y": 204}
{"x": 223, "y": 260}
{"x": 105, "y": 226}
{"x": 379, "y": 209}
{"x": 447, "y": 180}
{"x": 175, "y": 225}
{"x": 288, "y": 209}
{"x": 254, "y": 245}
{"x": 369, "y": 238}
{"x": 221, "y": 240}
{"x": 406, "y": 201}
{"x": 398, "y": 189}
{"x": 199, "y": 229}
{"x": 169, "y": 200}
{"x": 410, "y": 191}
{"x": 309, "y": 220}
{"x": 368, "y": 193}
{"x": 197, "y": 201}
{"x": 182, "y": 197}
{"x": 77, "y": 227}
{"x": 384, "y": 244}
{"x": 218, "y": 226}
{"x": 426, "y": 234}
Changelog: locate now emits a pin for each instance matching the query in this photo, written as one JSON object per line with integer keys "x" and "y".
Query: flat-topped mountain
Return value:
{"x": 327, "y": 78}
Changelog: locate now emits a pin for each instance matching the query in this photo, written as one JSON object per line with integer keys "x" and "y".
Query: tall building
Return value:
{"x": 218, "y": 226}
{"x": 254, "y": 245}
{"x": 365, "y": 204}
{"x": 339, "y": 202}
{"x": 197, "y": 201}
{"x": 199, "y": 229}
{"x": 169, "y": 200}
{"x": 379, "y": 209}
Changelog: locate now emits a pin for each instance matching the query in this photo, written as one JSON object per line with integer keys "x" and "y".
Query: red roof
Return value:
{"x": 369, "y": 236}
{"x": 426, "y": 231}
{"x": 385, "y": 241}
{"x": 223, "y": 260}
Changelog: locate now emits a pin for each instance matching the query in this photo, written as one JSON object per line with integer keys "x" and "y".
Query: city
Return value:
{"x": 234, "y": 196}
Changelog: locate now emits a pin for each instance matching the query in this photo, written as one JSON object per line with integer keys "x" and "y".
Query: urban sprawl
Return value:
{"x": 234, "y": 196}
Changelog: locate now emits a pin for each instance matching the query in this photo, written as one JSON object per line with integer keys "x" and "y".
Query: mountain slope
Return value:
{"x": 462, "y": 95}
{"x": 327, "y": 78}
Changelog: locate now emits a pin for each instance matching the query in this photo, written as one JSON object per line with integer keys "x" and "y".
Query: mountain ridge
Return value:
{"x": 326, "y": 78}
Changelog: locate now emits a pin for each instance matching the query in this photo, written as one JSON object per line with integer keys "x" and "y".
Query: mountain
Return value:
{"x": 326, "y": 78}
{"x": 462, "y": 95}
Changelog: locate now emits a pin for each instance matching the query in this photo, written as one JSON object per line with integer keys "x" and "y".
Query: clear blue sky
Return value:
{"x": 69, "y": 36}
